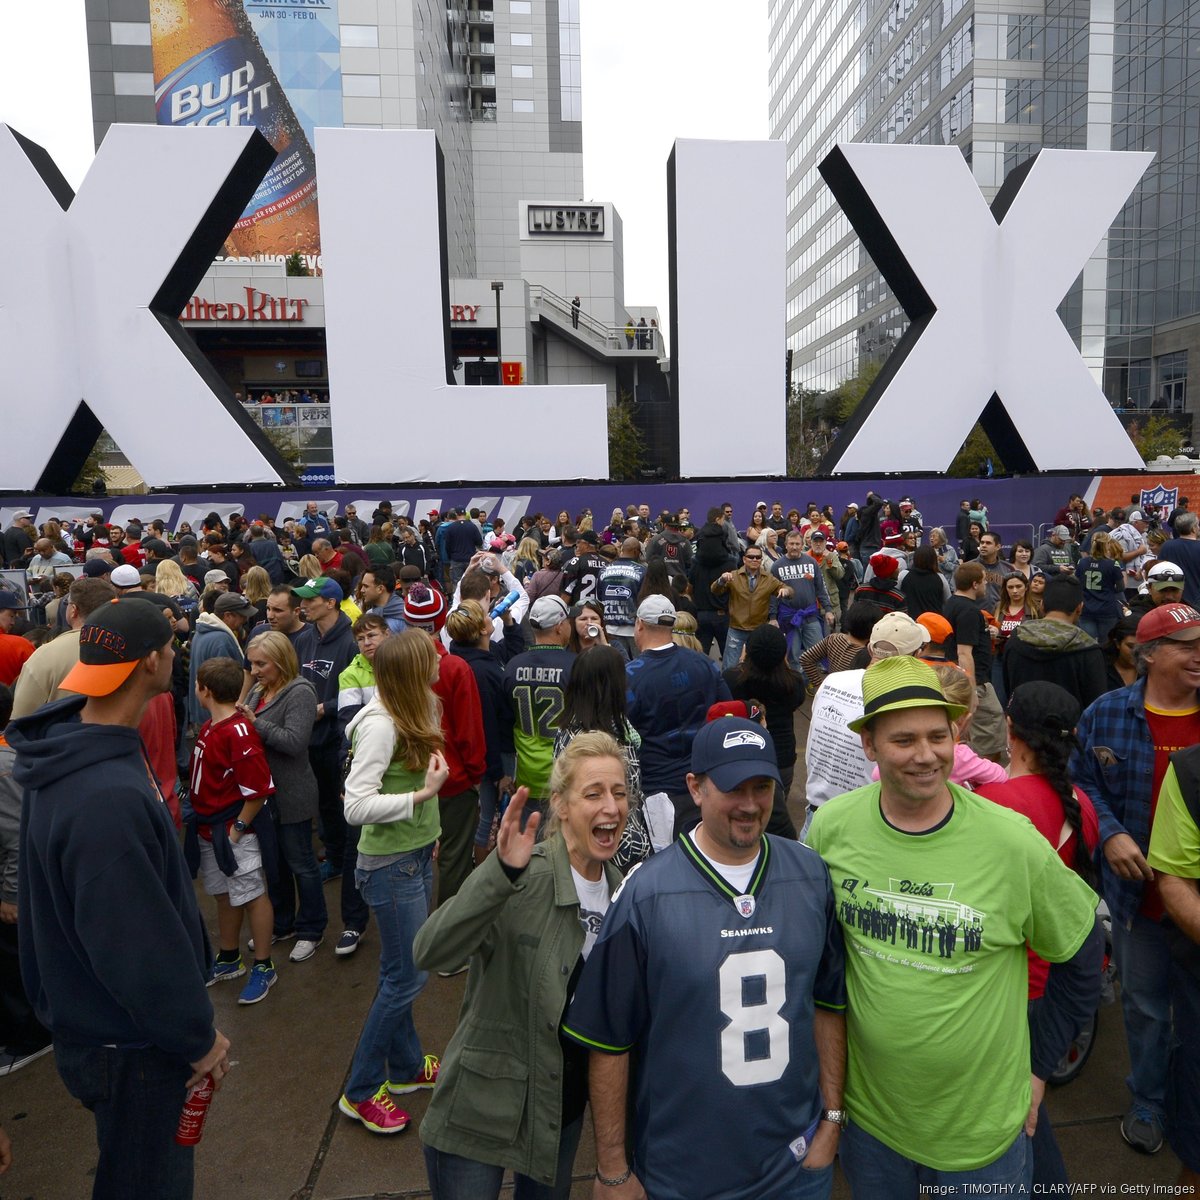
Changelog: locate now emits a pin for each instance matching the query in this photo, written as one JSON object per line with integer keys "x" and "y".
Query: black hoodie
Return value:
{"x": 113, "y": 950}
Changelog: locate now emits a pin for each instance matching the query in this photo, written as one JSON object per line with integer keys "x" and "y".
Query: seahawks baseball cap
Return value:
{"x": 731, "y": 750}
{"x": 321, "y": 586}
{"x": 112, "y": 641}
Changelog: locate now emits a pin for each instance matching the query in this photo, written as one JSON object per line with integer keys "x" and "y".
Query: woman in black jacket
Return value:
{"x": 923, "y": 588}
{"x": 470, "y": 631}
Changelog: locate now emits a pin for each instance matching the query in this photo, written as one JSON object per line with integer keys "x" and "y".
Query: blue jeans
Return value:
{"x": 735, "y": 639}
{"x": 1143, "y": 959}
{"x": 355, "y": 913}
{"x": 388, "y": 1047}
{"x": 1098, "y": 628}
{"x": 804, "y": 638}
{"x": 489, "y": 799}
{"x": 454, "y": 1178}
{"x": 136, "y": 1097}
{"x": 298, "y": 873}
{"x": 877, "y": 1172}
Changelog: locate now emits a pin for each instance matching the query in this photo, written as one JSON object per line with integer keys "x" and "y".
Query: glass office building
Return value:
{"x": 999, "y": 79}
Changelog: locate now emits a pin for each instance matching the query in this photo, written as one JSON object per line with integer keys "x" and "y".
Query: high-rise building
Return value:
{"x": 497, "y": 80}
{"x": 999, "y": 79}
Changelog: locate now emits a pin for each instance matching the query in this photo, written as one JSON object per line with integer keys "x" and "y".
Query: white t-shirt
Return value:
{"x": 593, "y": 904}
{"x": 834, "y": 754}
{"x": 738, "y": 878}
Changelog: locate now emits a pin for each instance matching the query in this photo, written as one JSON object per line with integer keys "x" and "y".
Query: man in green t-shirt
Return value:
{"x": 1175, "y": 856}
{"x": 938, "y": 893}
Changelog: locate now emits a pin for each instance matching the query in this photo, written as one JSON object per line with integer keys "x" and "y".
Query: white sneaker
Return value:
{"x": 304, "y": 949}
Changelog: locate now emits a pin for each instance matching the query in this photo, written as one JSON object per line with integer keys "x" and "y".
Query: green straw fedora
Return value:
{"x": 897, "y": 683}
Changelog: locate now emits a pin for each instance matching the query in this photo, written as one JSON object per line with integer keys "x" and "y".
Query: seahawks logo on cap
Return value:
{"x": 743, "y": 737}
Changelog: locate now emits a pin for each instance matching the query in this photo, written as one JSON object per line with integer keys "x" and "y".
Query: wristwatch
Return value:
{"x": 240, "y": 826}
{"x": 838, "y": 1116}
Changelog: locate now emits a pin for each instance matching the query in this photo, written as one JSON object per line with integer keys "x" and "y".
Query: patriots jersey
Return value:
{"x": 716, "y": 991}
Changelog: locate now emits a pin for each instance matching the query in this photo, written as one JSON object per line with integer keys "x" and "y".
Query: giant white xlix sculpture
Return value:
{"x": 981, "y": 288}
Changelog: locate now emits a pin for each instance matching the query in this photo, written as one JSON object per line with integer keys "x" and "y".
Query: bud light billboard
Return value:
{"x": 273, "y": 64}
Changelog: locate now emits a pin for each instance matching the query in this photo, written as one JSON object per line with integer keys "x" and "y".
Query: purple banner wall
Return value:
{"x": 1029, "y": 501}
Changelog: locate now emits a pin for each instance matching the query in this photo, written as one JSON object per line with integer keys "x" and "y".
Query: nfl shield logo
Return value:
{"x": 745, "y": 905}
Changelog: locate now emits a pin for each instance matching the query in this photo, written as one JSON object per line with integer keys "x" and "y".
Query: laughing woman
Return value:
{"x": 511, "y": 1093}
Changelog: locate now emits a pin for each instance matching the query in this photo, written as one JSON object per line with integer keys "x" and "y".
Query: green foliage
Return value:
{"x": 809, "y": 433}
{"x": 284, "y": 440}
{"x": 294, "y": 264}
{"x": 626, "y": 453}
{"x": 93, "y": 467}
{"x": 844, "y": 399}
{"x": 976, "y": 450}
{"x": 1159, "y": 434}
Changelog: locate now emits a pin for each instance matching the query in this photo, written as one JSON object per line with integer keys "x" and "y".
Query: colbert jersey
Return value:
{"x": 617, "y": 590}
{"x": 720, "y": 1005}
{"x": 534, "y": 683}
{"x": 228, "y": 767}
{"x": 581, "y": 575}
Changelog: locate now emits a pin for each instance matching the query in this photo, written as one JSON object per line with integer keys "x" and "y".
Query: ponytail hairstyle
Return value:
{"x": 1043, "y": 716}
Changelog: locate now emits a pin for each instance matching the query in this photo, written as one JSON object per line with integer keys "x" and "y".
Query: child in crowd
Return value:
{"x": 230, "y": 785}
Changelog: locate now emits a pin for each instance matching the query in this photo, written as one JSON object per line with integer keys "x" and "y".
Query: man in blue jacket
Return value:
{"x": 671, "y": 689}
{"x": 132, "y": 1031}
{"x": 1126, "y": 740}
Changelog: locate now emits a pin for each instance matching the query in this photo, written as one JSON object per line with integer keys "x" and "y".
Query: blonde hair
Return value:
{"x": 683, "y": 633}
{"x": 310, "y": 567}
{"x": 956, "y": 685}
{"x": 583, "y": 746}
{"x": 528, "y": 550}
{"x": 256, "y": 584}
{"x": 277, "y": 649}
{"x": 1103, "y": 546}
{"x": 404, "y": 669}
{"x": 169, "y": 579}
{"x": 467, "y": 623}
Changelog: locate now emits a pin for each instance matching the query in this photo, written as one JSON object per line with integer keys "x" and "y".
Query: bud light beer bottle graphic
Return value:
{"x": 210, "y": 69}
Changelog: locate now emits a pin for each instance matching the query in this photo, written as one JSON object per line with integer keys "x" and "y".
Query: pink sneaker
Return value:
{"x": 425, "y": 1079}
{"x": 377, "y": 1112}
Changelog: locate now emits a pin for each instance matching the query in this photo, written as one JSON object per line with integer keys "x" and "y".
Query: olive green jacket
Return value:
{"x": 498, "y": 1098}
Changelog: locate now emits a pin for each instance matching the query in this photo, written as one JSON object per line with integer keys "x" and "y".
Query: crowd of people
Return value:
{"x": 591, "y": 726}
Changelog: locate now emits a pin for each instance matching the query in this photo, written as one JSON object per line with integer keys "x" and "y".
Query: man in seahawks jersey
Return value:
{"x": 582, "y": 573}
{"x": 620, "y": 582}
{"x": 721, "y": 961}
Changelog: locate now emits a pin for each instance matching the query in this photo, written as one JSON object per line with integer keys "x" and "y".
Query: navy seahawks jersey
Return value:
{"x": 716, "y": 991}
{"x": 620, "y": 582}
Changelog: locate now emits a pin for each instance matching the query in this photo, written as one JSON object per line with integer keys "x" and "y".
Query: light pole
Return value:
{"x": 498, "y": 287}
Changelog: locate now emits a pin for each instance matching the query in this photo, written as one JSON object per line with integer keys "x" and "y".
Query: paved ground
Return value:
{"x": 274, "y": 1132}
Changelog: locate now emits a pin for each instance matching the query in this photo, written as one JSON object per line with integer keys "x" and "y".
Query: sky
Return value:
{"x": 653, "y": 70}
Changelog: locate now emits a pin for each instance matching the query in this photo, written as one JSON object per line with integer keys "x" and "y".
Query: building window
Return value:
{"x": 130, "y": 33}
{"x": 522, "y": 39}
{"x": 522, "y": 71}
{"x": 1172, "y": 381}
{"x": 361, "y": 36}
{"x": 524, "y": 106}
{"x": 360, "y": 85}
{"x": 133, "y": 83}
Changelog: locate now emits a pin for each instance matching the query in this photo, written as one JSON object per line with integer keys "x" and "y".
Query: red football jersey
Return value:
{"x": 228, "y": 767}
